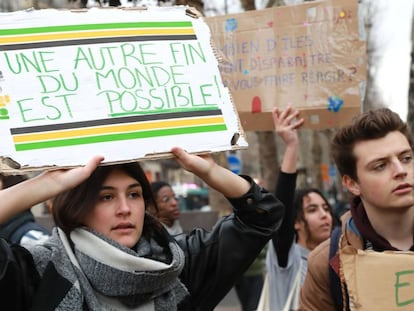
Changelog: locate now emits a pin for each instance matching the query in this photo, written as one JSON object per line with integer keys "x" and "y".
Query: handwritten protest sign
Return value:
{"x": 127, "y": 84}
{"x": 379, "y": 281}
{"x": 308, "y": 55}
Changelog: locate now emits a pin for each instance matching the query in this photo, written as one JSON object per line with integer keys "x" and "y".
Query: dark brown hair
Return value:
{"x": 300, "y": 194}
{"x": 71, "y": 207}
{"x": 369, "y": 125}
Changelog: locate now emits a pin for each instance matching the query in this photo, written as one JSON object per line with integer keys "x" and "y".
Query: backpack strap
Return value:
{"x": 334, "y": 280}
{"x": 24, "y": 229}
{"x": 7, "y": 229}
{"x": 18, "y": 226}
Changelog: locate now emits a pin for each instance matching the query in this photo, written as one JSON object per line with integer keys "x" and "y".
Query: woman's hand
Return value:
{"x": 200, "y": 165}
{"x": 38, "y": 189}
{"x": 65, "y": 179}
{"x": 286, "y": 123}
{"x": 223, "y": 180}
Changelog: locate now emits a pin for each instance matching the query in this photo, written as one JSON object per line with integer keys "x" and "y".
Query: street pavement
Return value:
{"x": 229, "y": 303}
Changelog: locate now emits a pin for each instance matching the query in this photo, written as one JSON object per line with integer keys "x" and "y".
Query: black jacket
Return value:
{"x": 214, "y": 260}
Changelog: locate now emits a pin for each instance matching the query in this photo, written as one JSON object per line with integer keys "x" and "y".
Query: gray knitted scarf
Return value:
{"x": 109, "y": 276}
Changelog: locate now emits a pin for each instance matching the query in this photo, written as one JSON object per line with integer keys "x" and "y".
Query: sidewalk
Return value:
{"x": 229, "y": 303}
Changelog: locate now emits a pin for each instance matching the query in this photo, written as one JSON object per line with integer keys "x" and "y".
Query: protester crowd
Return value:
{"x": 117, "y": 244}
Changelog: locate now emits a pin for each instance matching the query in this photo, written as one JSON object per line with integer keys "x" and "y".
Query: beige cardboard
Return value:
{"x": 379, "y": 281}
{"x": 308, "y": 55}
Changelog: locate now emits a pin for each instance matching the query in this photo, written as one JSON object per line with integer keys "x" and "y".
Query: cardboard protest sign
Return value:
{"x": 308, "y": 55}
{"x": 126, "y": 84}
{"x": 379, "y": 281}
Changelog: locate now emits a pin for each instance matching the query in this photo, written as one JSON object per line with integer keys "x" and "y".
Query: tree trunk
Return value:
{"x": 248, "y": 5}
{"x": 410, "y": 116}
{"x": 268, "y": 158}
{"x": 271, "y": 3}
{"x": 198, "y": 4}
{"x": 317, "y": 160}
{"x": 217, "y": 201}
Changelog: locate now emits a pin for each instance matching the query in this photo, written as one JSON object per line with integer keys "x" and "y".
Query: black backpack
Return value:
{"x": 334, "y": 280}
{"x": 18, "y": 226}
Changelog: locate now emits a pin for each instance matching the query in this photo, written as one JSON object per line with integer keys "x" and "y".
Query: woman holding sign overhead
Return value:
{"x": 108, "y": 253}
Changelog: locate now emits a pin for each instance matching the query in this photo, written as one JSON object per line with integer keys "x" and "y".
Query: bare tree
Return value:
{"x": 198, "y": 4}
{"x": 372, "y": 98}
{"x": 271, "y": 3}
{"x": 217, "y": 201}
{"x": 410, "y": 116}
{"x": 269, "y": 163}
{"x": 248, "y": 5}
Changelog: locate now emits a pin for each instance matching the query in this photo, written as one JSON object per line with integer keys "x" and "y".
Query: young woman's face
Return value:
{"x": 120, "y": 210}
{"x": 317, "y": 224}
{"x": 167, "y": 205}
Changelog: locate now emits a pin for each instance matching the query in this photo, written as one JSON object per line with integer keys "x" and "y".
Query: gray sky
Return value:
{"x": 392, "y": 39}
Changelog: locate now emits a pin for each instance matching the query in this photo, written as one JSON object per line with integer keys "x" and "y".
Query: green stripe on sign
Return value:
{"x": 119, "y": 137}
{"x": 66, "y": 28}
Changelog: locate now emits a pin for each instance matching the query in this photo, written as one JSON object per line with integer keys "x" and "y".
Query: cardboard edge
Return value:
{"x": 189, "y": 10}
{"x": 315, "y": 118}
{"x": 10, "y": 167}
{"x": 193, "y": 12}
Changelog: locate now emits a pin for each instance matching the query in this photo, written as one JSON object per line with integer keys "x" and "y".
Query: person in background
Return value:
{"x": 249, "y": 286}
{"x": 307, "y": 222}
{"x": 48, "y": 206}
{"x": 167, "y": 203}
{"x": 374, "y": 156}
{"x": 22, "y": 228}
{"x": 108, "y": 252}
